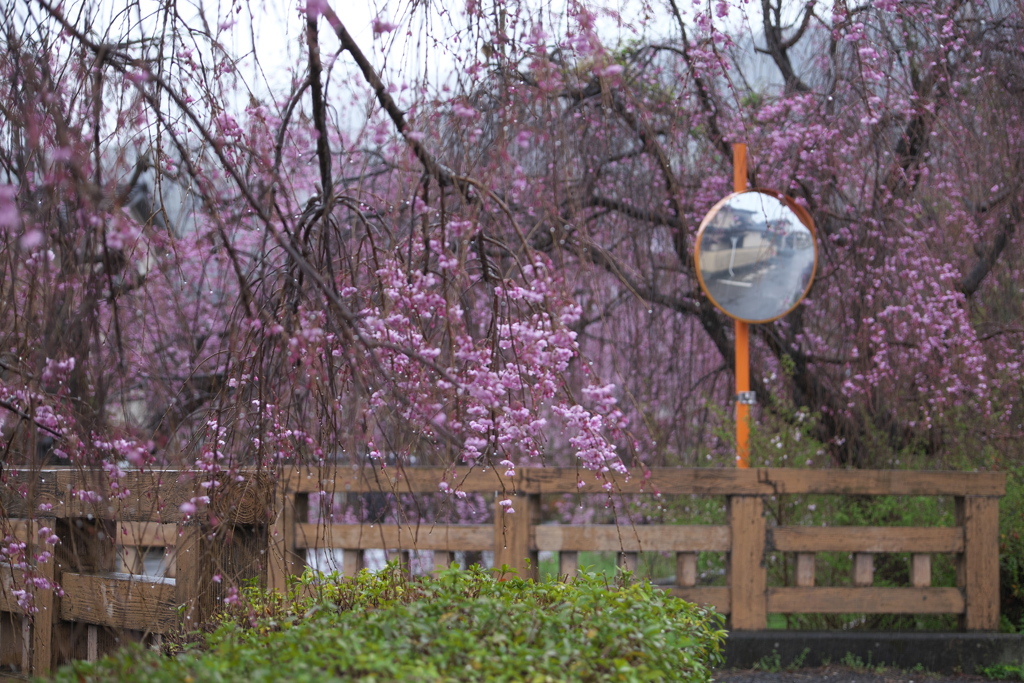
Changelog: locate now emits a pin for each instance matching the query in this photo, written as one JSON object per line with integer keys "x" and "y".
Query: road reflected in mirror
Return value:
{"x": 755, "y": 256}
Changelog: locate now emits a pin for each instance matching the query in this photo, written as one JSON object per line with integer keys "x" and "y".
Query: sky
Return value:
{"x": 273, "y": 38}
{"x": 269, "y": 34}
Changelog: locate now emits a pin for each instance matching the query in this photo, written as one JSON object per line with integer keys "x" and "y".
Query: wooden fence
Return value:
{"x": 265, "y": 532}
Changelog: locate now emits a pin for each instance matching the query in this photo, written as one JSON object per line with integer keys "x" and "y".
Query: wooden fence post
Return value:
{"x": 44, "y": 619}
{"x": 513, "y": 535}
{"x": 87, "y": 547}
{"x": 214, "y": 563}
{"x": 748, "y": 577}
{"x": 187, "y": 575}
{"x": 224, "y": 548}
{"x": 978, "y": 566}
{"x": 290, "y": 508}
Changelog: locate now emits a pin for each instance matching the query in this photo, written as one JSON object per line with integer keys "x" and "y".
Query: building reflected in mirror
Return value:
{"x": 755, "y": 256}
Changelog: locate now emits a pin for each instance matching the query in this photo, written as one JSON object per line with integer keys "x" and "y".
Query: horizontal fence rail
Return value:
{"x": 131, "y": 565}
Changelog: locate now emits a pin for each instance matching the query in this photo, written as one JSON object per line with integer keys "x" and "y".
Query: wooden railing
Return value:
{"x": 102, "y": 607}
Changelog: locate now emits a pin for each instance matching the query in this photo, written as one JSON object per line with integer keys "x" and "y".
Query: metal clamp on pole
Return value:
{"x": 746, "y": 398}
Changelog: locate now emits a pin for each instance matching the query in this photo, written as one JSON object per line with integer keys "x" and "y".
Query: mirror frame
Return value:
{"x": 801, "y": 213}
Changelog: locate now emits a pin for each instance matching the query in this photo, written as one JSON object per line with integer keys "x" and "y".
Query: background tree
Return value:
{"x": 467, "y": 240}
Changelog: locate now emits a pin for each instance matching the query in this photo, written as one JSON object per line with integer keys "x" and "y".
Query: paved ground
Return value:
{"x": 840, "y": 674}
{"x": 766, "y": 290}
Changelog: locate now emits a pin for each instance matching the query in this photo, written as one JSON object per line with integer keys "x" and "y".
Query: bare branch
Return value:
{"x": 443, "y": 175}
{"x": 632, "y": 211}
{"x": 778, "y": 48}
{"x": 808, "y": 13}
{"x": 323, "y": 147}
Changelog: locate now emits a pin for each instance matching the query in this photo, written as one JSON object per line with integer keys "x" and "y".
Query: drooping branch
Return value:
{"x": 441, "y": 173}
{"x": 908, "y": 154}
{"x": 703, "y": 91}
{"x": 811, "y": 388}
{"x": 650, "y": 141}
{"x": 714, "y": 323}
{"x": 930, "y": 93}
{"x": 352, "y": 331}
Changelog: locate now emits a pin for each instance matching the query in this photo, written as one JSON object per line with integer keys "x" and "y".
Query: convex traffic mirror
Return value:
{"x": 756, "y": 255}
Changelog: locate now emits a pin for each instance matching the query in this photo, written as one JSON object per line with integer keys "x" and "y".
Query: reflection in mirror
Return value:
{"x": 755, "y": 256}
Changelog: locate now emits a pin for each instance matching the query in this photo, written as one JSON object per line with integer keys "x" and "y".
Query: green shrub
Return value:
{"x": 1003, "y": 672}
{"x": 1011, "y": 552}
{"x": 460, "y": 626}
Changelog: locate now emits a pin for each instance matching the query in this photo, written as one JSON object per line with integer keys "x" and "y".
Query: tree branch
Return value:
{"x": 25, "y": 416}
{"x": 778, "y": 48}
{"x": 442, "y": 174}
{"x": 632, "y": 211}
{"x": 988, "y": 258}
{"x": 323, "y": 147}
{"x": 703, "y": 93}
{"x": 808, "y": 13}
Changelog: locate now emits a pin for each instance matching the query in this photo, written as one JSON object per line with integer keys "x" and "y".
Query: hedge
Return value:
{"x": 463, "y": 625}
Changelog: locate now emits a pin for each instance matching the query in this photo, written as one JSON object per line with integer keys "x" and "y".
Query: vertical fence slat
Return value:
{"x": 405, "y": 561}
{"x": 280, "y": 538}
{"x": 443, "y": 560}
{"x": 921, "y": 570}
{"x": 352, "y": 562}
{"x": 170, "y": 562}
{"x": 132, "y": 559}
{"x": 863, "y": 569}
{"x": 748, "y": 577}
{"x": 568, "y": 564}
{"x": 686, "y": 569}
{"x": 26, "y": 645}
{"x": 297, "y": 513}
{"x": 805, "y": 570}
{"x": 978, "y": 567}
{"x": 6, "y": 636}
{"x": 92, "y": 643}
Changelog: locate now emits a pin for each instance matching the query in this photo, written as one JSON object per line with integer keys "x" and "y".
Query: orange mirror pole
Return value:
{"x": 743, "y": 398}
